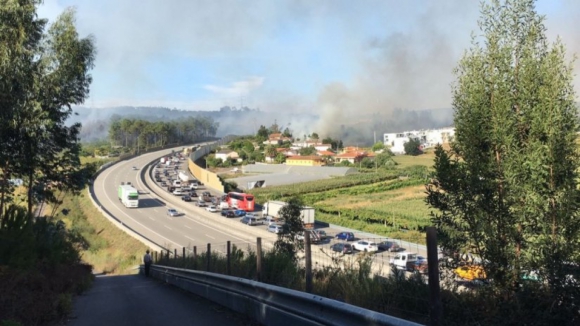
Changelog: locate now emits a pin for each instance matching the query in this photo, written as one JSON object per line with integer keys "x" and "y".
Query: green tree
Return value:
{"x": 413, "y": 147}
{"x": 43, "y": 72}
{"x": 287, "y": 242}
{"x": 314, "y": 136}
{"x": 306, "y": 151}
{"x": 378, "y": 146}
{"x": 280, "y": 158}
{"x": 385, "y": 159}
{"x": 270, "y": 151}
{"x": 507, "y": 190}
{"x": 262, "y": 134}
{"x": 287, "y": 132}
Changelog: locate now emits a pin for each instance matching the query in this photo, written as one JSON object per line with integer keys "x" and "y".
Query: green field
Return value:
{"x": 388, "y": 202}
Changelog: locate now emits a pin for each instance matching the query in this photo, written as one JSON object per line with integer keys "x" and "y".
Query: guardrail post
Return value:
{"x": 155, "y": 257}
{"x": 228, "y": 258}
{"x": 435, "y": 306}
{"x": 175, "y": 254}
{"x": 208, "y": 257}
{"x": 194, "y": 257}
{"x": 308, "y": 261}
{"x": 259, "y": 259}
{"x": 183, "y": 257}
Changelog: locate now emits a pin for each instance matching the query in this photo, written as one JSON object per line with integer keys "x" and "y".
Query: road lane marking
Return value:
{"x": 167, "y": 227}
{"x": 192, "y": 239}
{"x": 187, "y": 226}
{"x": 151, "y": 218}
{"x": 209, "y": 236}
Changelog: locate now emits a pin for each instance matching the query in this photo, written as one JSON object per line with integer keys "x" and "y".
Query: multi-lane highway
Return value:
{"x": 196, "y": 227}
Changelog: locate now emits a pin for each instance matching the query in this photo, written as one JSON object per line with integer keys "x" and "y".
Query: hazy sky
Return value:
{"x": 301, "y": 55}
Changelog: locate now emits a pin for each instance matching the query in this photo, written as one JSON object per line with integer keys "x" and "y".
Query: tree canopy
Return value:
{"x": 507, "y": 190}
{"x": 43, "y": 72}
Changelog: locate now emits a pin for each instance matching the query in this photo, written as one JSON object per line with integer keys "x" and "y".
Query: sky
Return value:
{"x": 327, "y": 56}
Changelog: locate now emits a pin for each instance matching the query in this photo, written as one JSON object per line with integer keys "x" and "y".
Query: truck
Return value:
{"x": 272, "y": 208}
{"x": 128, "y": 195}
{"x": 162, "y": 160}
{"x": 183, "y": 177}
{"x": 404, "y": 261}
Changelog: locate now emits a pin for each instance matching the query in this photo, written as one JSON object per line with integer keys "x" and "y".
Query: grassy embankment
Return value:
{"x": 108, "y": 249}
{"x": 389, "y": 203}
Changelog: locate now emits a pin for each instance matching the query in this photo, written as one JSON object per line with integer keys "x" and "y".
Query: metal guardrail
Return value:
{"x": 270, "y": 304}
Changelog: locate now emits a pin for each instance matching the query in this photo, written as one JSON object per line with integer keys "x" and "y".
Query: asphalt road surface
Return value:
{"x": 137, "y": 300}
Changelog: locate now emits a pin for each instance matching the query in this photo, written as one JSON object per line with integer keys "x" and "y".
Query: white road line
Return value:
{"x": 192, "y": 239}
{"x": 167, "y": 227}
{"x": 209, "y": 236}
{"x": 187, "y": 226}
{"x": 151, "y": 218}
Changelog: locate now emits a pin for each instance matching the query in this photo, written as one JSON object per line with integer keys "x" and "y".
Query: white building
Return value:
{"x": 428, "y": 138}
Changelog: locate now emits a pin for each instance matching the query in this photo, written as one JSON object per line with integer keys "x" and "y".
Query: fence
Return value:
{"x": 359, "y": 278}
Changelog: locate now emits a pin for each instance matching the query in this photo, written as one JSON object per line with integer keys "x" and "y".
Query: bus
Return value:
{"x": 241, "y": 201}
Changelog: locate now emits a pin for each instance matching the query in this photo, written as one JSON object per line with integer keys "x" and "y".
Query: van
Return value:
{"x": 177, "y": 183}
{"x": 252, "y": 220}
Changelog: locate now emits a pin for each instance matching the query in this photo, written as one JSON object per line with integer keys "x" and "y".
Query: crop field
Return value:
{"x": 389, "y": 203}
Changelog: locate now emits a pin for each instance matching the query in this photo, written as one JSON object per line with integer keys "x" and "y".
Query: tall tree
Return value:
{"x": 507, "y": 189}
{"x": 42, "y": 74}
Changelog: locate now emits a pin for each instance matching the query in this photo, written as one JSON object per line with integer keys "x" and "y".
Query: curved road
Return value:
{"x": 196, "y": 227}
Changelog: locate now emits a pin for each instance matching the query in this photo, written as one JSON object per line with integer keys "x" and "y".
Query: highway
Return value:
{"x": 196, "y": 227}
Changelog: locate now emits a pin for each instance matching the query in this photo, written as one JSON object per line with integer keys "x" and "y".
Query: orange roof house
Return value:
{"x": 312, "y": 160}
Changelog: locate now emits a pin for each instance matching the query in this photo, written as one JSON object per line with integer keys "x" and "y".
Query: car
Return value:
{"x": 158, "y": 179}
{"x": 193, "y": 194}
{"x": 172, "y": 212}
{"x": 388, "y": 245}
{"x": 239, "y": 212}
{"x": 252, "y": 220}
{"x": 186, "y": 198}
{"x": 211, "y": 208}
{"x": 420, "y": 265}
{"x": 343, "y": 248}
{"x": 366, "y": 246}
{"x": 206, "y": 194}
{"x": 201, "y": 204}
{"x": 225, "y": 211}
{"x": 275, "y": 228}
{"x": 163, "y": 184}
{"x": 348, "y": 236}
{"x": 228, "y": 213}
{"x": 321, "y": 234}
{"x": 177, "y": 192}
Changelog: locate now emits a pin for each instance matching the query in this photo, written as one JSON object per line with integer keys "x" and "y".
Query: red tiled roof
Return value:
{"x": 326, "y": 153}
{"x": 311, "y": 157}
{"x": 349, "y": 155}
{"x": 275, "y": 136}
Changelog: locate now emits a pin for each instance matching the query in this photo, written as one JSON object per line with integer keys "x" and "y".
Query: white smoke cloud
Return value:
{"x": 238, "y": 88}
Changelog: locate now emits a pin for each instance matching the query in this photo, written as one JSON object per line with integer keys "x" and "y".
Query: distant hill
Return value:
{"x": 357, "y": 129}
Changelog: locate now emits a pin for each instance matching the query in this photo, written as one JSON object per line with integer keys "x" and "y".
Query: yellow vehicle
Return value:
{"x": 470, "y": 272}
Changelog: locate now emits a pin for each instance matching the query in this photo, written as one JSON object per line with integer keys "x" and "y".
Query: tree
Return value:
{"x": 270, "y": 151}
{"x": 287, "y": 242}
{"x": 314, "y": 136}
{"x": 378, "y": 146}
{"x": 43, "y": 72}
{"x": 507, "y": 189}
{"x": 262, "y": 134}
{"x": 413, "y": 147}
{"x": 385, "y": 159}
{"x": 305, "y": 151}
{"x": 287, "y": 133}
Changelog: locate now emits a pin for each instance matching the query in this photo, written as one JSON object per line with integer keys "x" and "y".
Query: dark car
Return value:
{"x": 239, "y": 212}
{"x": 186, "y": 198}
{"x": 344, "y": 248}
{"x": 419, "y": 266}
{"x": 193, "y": 194}
{"x": 348, "y": 236}
{"x": 228, "y": 213}
{"x": 389, "y": 246}
{"x": 206, "y": 194}
{"x": 163, "y": 184}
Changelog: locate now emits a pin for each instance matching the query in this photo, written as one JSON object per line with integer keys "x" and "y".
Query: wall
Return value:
{"x": 208, "y": 178}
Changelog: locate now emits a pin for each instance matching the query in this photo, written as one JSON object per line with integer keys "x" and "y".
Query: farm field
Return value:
{"x": 388, "y": 203}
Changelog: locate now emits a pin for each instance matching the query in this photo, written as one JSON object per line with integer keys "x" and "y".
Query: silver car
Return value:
{"x": 172, "y": 212}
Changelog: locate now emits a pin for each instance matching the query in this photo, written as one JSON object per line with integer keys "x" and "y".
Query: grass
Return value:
{"x": 107, "y": 248}
{"x": 425, "y": 159}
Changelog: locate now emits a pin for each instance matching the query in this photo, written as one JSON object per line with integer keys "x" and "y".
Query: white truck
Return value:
{"x": 129, "y": 196}
{"x": 272, "y": 208}
{"x": 162, "y": 160}
{"x": 183, "y": 177}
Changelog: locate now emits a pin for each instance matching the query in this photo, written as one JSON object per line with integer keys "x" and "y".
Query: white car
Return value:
{"x": 366, "y": 246}
{"x": 211, "y": 208}
{"x": 172, "y": 212}
{"x": 178, "y": 192}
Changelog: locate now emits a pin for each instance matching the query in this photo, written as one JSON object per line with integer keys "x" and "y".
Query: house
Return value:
{"x": 312, "y": 160}
{"x": 427, "y": 138}
{"x": 352, "y": 157}
{"x": 274, "y": 139}
{"x": 325, "y": 153}
{"x": 224, "y": 154}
